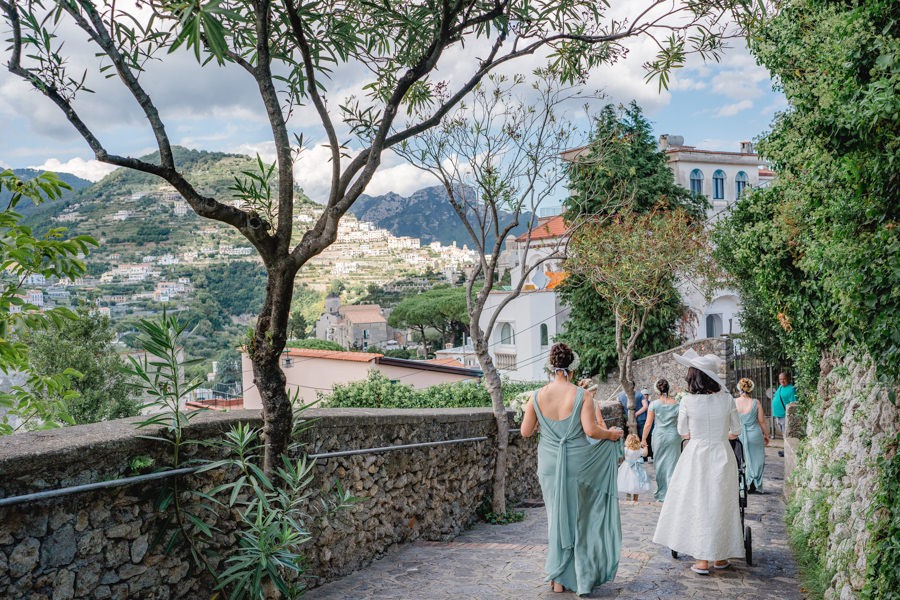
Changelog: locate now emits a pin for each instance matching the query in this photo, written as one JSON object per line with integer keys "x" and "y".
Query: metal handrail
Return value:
{"x": 87, "y": 487}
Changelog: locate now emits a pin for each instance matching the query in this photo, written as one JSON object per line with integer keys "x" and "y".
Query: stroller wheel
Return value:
{"x": 748, "y": 545}
{"x": 674, "y": 554}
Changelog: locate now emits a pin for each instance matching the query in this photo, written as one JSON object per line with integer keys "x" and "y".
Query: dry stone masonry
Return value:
{"x": 106, "y": 543}
{"x": 836, "y": 476}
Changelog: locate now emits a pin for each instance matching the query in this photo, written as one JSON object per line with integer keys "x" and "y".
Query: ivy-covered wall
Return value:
{"x": 842, "y": 515}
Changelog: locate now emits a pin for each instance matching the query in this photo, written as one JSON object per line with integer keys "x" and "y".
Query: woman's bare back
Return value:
{"x": 556, "y": 400}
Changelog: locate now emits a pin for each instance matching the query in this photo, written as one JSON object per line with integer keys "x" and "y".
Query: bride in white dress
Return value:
{"x": 700, "y": 516}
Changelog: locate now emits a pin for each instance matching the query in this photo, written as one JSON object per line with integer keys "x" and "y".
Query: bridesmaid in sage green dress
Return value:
{"x": 578, "y": 481}
{"x": 663, "y": 419}
{"x": 754, "y": 435}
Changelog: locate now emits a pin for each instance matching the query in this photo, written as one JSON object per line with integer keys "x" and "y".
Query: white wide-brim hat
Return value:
{"x": 708, "y": 363}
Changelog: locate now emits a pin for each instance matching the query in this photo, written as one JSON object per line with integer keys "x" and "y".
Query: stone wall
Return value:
{"x": 850, "y": 425}
{"x": 650, "y": 368}
{"x": 102, "y": 544}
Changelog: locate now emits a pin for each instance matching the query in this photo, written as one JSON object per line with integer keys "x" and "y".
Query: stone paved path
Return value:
{"x": 507, "y": 562}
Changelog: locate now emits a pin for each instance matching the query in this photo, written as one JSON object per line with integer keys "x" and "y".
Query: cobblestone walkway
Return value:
{"x": 507, "y": 562}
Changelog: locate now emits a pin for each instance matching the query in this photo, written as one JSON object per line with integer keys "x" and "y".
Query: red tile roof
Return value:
{"x": 546, "y": 228}
{"x": 362, "y": 313}
{"x": 333, "y": 354}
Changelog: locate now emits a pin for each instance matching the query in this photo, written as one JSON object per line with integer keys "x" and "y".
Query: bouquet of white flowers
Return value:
{"x": 518, "y": 402}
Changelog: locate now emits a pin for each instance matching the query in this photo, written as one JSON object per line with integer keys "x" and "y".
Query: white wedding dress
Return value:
{"x": 700, "y": 516}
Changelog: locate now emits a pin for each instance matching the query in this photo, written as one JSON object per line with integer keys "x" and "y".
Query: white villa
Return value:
{"x": 528, "y": 324}
{"x": 722, "y": 177}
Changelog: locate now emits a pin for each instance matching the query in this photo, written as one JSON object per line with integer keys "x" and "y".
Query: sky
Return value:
{"x": 713, "y": 105}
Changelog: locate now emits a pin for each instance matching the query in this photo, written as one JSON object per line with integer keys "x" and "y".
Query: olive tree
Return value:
{"x": 289, "y": 51}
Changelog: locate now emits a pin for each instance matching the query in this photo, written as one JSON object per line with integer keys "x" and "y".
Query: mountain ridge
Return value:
{"x": 426, "y": 214}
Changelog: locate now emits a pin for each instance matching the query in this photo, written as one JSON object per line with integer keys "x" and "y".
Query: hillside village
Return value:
{"x": 151, "y": 245}
{"x": 152, "y": 248}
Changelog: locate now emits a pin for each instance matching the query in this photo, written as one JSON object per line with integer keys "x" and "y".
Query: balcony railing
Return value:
{"x": 506, "y": 361}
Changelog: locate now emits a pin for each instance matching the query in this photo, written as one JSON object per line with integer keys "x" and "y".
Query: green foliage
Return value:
{"x": 590, "y": 329}
{"x": 485, "y": 514}
{"x": 397, "y": 353}
{"x": 883, "y": 553}
{"x": 238, "y": 287}
{"x": 816, "y": 255}
{"x": 441, "y": 308}
{"x": 229, "y": 367}
{"x": 270, "y": 508}
{"x": 377, "y": 391}
{"x": 41, "y": 400}
{"x": 315, "y": 344}
{"x": 622, "y": 168}
{"x": 139, "y": 464}
{"x": 809, "y": 551}
{"x": 307, "y": 306}
{"x": 85, "y": 344}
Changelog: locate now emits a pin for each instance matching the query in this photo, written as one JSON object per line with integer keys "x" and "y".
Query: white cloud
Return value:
{"x": 201, "y": 142}
{"x": 403, "y": 179}
{"x": 729, "y": 110}
{"x": 92, "y": 170}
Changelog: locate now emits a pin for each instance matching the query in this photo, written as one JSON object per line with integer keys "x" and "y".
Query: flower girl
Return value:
{"x": 632, "y": 478}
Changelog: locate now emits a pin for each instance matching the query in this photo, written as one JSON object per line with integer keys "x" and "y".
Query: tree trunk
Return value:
{"x": 269, "y": 340}
{"x": 492, "y": 384}
{"x": 625, "y": 379}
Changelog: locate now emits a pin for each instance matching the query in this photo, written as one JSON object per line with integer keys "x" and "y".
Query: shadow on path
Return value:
{"x": 491, "y": 562}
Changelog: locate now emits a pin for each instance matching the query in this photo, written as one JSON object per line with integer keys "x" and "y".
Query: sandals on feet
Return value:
{"x": 554, "y": 585}
{"x": 699, "y": 571}
{"x": 725, "y": 565}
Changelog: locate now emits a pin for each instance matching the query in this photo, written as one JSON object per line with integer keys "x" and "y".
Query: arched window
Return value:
{"x": 719, "y": 185}
{"x": 740, "y": 182}
{"x": 545, "y": 335}
{"x": 697, "y": 182}
{"x": 713, "y": 326}
{"x": 507, "y": 336}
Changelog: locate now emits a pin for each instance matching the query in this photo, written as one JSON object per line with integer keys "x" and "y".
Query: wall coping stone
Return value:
{"x": 30, "y": 452}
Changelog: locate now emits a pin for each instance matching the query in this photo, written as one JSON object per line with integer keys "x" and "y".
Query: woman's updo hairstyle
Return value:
{"x": 746, "y": 385}
{"x": 561, "y": 356}
{"x": 662, "y": 386}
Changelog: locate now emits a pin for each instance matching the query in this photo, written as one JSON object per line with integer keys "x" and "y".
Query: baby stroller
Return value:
{"x": 738, "y": 448}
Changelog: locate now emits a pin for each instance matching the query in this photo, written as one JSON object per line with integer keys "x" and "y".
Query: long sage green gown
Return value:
{"x": 754, "y": 447}
{"x": 666, "y": 444}
{"x": 578, "y": 481}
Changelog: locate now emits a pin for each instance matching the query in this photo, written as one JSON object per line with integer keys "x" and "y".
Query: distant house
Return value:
{"x": 35, "y": 297}
{"x": 464, "y": 355}
{"x": 309, "y": 372}
{"x": 525, "y": 329}
{"x": 354, "y": 325}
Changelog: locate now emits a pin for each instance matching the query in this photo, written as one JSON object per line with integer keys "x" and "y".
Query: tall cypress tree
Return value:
{"x": 621, "y": 166}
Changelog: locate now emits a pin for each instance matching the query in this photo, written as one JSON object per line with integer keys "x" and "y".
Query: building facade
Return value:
{"x": 527, "y": 325}
{"x": 722, "y": 177}
{"x": 312, "y": 373}
{"x": 358, "y": 326}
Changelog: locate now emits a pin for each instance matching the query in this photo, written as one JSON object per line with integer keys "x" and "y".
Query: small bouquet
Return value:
{"x": 517, "y": 403}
